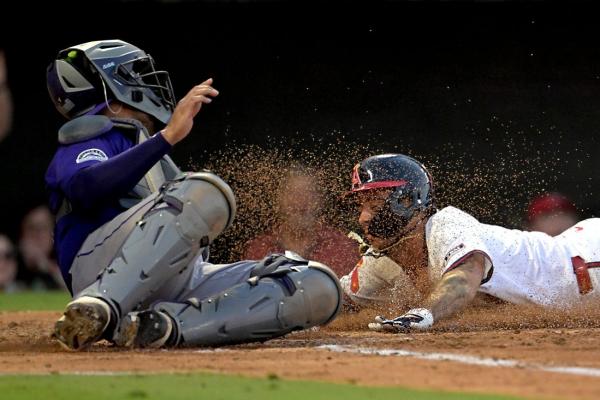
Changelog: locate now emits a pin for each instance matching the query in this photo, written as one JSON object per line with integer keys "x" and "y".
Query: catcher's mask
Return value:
{"x": 85, "y": 76}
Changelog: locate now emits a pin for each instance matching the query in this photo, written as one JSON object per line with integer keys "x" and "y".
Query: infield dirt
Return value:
{"x": 532, "y": 337}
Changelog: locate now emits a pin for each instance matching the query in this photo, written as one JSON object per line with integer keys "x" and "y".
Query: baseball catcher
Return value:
{"x": 133, "y": 231}
{"x": 460, "y": 256}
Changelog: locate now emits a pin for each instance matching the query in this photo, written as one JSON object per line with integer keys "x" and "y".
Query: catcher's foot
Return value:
{"x": 144, "y": 329}
{"x": 82, "y": 323}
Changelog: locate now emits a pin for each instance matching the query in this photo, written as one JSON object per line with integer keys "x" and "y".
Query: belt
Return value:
{"x": 580, "y": 268}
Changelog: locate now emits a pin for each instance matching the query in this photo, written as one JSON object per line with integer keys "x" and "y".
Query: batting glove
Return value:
{"x": 417, "y": 318}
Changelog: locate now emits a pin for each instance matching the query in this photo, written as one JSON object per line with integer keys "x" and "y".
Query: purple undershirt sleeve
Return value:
{"x": 113, "y": 178}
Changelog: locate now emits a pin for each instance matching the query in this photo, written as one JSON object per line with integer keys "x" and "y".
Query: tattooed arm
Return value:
{"x": 457, "y": 287}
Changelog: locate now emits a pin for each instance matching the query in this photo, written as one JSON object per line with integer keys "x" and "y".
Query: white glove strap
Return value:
{"x": 424, "y": 313}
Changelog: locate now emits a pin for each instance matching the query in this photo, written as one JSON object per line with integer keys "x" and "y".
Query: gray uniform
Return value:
{"x": 153, "y": 256}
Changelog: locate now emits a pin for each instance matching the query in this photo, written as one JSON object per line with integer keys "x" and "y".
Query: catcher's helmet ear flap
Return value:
{"x": 83, "y": 76}
{"x": 412, "y": 190}
{"x": 72, "y": 84}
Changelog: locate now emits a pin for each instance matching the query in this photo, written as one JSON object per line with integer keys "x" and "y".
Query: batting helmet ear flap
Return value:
{"x": 72, "y": 85}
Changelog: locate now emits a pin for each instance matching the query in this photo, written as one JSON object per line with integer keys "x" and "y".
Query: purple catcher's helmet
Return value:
{"x": 87, "y": 75}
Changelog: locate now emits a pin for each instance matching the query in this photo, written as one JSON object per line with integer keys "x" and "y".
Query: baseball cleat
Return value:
{"x": 82, "y": 323}
{"x": 144, "y": 329}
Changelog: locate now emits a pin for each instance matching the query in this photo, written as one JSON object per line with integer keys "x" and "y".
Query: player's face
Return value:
{"x": 300, "y": 202}
{"x": 370, "y": 202}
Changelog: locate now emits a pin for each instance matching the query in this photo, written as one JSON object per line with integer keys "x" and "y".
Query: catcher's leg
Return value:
{"x": 187, "y": 216}
{"x": 271, "y": 303}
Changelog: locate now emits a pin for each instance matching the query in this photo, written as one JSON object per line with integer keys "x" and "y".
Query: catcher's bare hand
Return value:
{"x": 182, "y": 120}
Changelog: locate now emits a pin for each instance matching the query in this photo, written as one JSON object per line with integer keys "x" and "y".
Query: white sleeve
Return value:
{"x": 452, "y": 236}
{"x": 372, "y": 278}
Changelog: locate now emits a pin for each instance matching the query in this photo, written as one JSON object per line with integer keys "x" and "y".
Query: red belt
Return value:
{"x": 580, "y": 267}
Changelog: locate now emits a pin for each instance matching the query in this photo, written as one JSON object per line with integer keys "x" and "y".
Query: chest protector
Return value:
{"x": 91, "y": 126}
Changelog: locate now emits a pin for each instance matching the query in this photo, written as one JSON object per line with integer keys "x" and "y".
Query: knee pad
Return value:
{"x": 204, "y": 203}
{"x": 293, "y": 297}
{"x": 189, "y": 213}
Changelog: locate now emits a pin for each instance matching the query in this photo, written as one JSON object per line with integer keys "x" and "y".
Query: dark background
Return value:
{"x": 502, "y": 99}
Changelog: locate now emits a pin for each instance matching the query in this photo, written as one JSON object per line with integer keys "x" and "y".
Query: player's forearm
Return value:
{"x": 457, "y": 288}
{"x": 450, "y": 296}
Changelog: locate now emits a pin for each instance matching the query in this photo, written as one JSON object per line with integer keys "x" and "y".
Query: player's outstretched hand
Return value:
{"x": 417, "y": 318}
{"x": 182, "y": 119}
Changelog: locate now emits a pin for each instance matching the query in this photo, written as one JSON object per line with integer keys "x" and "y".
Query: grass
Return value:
{"x": 39, "y": 301}
{"x": 205, "y": 386}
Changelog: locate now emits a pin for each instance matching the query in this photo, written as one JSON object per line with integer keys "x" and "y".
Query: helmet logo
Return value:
{"x": 108, "y": 65}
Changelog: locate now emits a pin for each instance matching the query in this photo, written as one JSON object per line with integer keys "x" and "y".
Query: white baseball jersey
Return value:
{"x": 376, "y": 280}
{"x": 521, "y": 267}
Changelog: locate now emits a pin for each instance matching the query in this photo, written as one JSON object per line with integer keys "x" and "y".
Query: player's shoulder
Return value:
{"x": 451, "y": 215}
{"x": 382, "y": 262}
{"x": 450, "y": 222}
{"x": 88, "y": 129}
{"x": 100, "y": 147}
